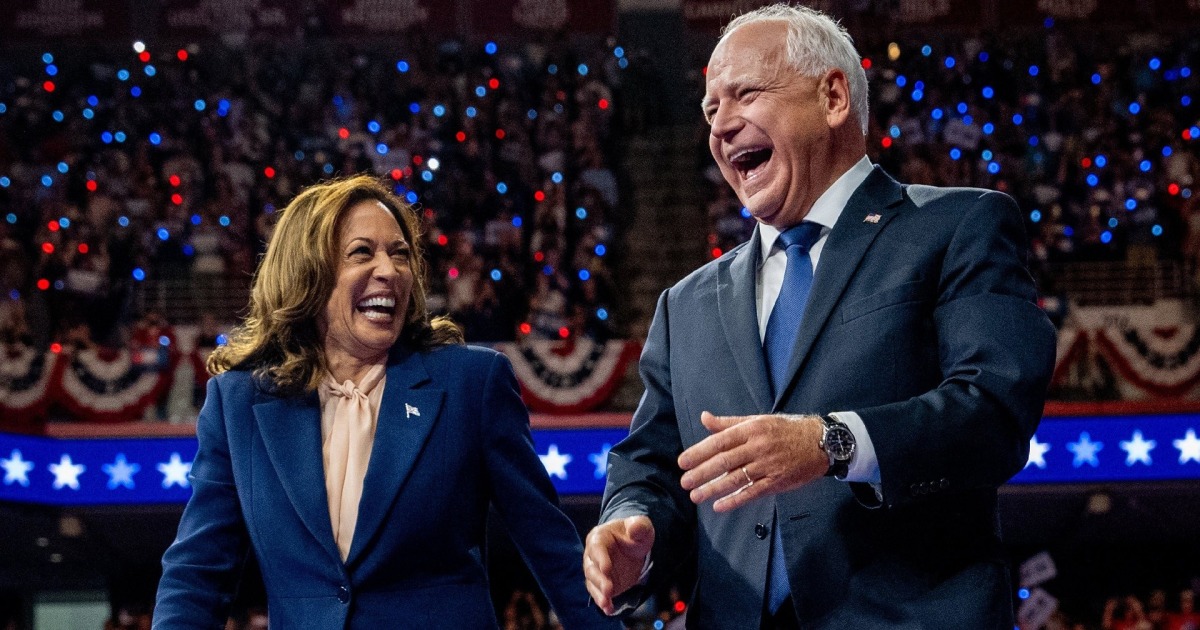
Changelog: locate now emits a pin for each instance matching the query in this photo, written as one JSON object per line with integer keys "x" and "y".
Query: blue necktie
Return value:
{"x": 782, "y": 328}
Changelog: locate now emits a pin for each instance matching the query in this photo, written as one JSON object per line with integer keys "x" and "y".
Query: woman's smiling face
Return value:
{"x": 374, "y": 280}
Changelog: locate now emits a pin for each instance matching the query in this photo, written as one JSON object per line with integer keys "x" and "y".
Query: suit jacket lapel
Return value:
{"x": 849, "y": 240}
{"x": 406, "y": 417}
{"x": 736, "y": 303}
{"x": 291, "y": 432}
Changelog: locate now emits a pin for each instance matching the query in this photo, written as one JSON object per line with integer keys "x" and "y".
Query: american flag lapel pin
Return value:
{"x": 410, "y": 411}
{"x": 874, "y": 217}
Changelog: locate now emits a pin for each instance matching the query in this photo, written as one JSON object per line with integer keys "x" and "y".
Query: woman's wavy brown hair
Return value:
{"x": 279, "y": 339}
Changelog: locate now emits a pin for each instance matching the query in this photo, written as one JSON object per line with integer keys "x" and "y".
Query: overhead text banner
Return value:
{"x": 356, "y": 18}
{"x": 499, "y": 17}
{"x": 1081, "y": 449}
{"x": 51, "y": 20}
{"x": 197, "y": 19}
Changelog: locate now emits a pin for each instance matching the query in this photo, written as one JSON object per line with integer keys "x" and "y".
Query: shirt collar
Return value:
{"x": 826, "y": 209}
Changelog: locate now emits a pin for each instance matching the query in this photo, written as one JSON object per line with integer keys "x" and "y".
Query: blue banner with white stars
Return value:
{"x": 1083, "y": 449}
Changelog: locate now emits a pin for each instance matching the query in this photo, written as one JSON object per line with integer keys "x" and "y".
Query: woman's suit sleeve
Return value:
{"x": 202, "y": 567}
{"x": 528, "y": 503}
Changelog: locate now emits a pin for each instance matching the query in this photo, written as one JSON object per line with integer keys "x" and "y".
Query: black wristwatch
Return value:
{"x": 838, "y": 443}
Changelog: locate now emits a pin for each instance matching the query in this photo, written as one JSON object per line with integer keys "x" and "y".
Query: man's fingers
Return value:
{"x": 720, "y": 423}
{"x": 728, "y": 463}
{"x": 640, "y": 531}
{"x": 710, "y": 447}
{"x": 743, "y": 495}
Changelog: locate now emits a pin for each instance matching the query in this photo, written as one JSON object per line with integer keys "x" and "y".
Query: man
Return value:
{"x": 829, "y": 407}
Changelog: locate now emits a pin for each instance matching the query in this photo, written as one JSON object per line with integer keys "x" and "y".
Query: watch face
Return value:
{"x": 839, "y": 442}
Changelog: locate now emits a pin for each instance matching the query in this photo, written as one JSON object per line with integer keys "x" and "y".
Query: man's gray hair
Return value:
{"x": 815, "y": 44}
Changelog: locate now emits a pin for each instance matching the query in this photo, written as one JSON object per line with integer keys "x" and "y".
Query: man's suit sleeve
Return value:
{"x": 996, "y": 349}
{"x": 528, "y": 503}
{"x": 643, "y": 472}
{"x": 202, "y": 567}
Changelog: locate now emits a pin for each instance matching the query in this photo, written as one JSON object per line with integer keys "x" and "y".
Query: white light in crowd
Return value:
{"x": 433, "y": 164}
{"x": 139, "y": 47}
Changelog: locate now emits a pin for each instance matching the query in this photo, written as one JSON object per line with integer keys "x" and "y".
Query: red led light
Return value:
{"x": 1086, "y": 162}
{"x": 269, "y": 172}
{"x": 493, "y": 83}
{"x": 1187, "y": 134}
{"x": 144, "y": 56}
{"x": 177, "y": 199}
{"x": 48, "y": 86}
{"x": 174, "y": 179}
{"x": 500, "y": 134}
{"x": 460, "y": 136}
{"x": 43, "y": 284}
{"x": 83, "y": 248}
{"x": 716, "y": 252}
{"x": 48, "y": 247}
{"x": 680, "y": 606}
{"x": 53, "y": 226}
{"x": 539, "y": 196}
{"x": 453, "y": 273}
{"x": 91, "y": 185}
{"x": 704, "y": 71}
{"x": 886, "y": 142}
{"x": 343, "y": 133}
{"x": 56, "y": 347}
{"x": 397, "y": 173}
{"x": 526, "y": 328}
{"x": 418, "y": 160}
{"x": 603, "y": 103}
{"x": 866, "y": 63}
{"x": 564, "y": 332}
{"x": 181, "y": 55}
{"x": 539, "y": 256}
{"x": 442, "y": 240}
{"x": 1173, "y": 189}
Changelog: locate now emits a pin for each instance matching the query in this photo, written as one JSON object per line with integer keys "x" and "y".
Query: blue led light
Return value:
{"x": 1033, "y": 71}
{"x": 501, "y": 188}
{"x": 618, "y": 52}
{"x": 381, "y": 148}
{"x": 1130, "y": 204}
{"x": 163, "y": 234}
{"x": 1106, "y": 237}
{"x": 988, "y": 92}
{"x": 1101, "y": 161}
{"x": 1112, "y": 223}
{"x": 222, "y": 339}
{"x": 918, "y": 95}
{"x": 373, "y": 127}
{"x": 894, "y": 131}
{"x": 93, "y": 101}
{"x": 949, "y": 62}
{"x": 402, "y": 65}
{"x": 901, "y": 80}
{"x": 57, "y": 116}
{"x": 1092, "y": 180}
{"x": 47, "y": 181}
{"x": 63, "y": 168}
{"x": 14, "y": 294}
{"x": 602, "y": 314}
{"x": 298, "y": 155}
{"x": 1035, "y": 216}
{"x": 961, "y": 108}
{"x": 988, "y": 128}
{"x": 955, "y": 153}
{"x": 582, "y": 69}
{"x": 1155, "y": 63}
{"x": 1185, "y": 100}
{"x": 556, "y": 177}
{"x": 531, "y": 114}
{"x": 1166, "y": 151}
{"x": 1185, "y": 72}
{"x": 1068, "y": 231}
{"x": 427, "y": 176}
{"x": 64, "y": 222}
{"x": 1195, "y": 131}
{"x": 993, "y": 167}
{"x": 987, "y": 154}
{"x": 47, "y": 58}
{"x": 196, "y": 219}
{"x": 967, "y": 120}
{"x": 150, "y": 70}
{"x": 745, "y": 212}
{"x": 155, "y": 138}
{"x": 547, "y": 270}
{"x": 1048, "y": 22}
{"x": 937, "y": 113}
{"x": 4, "y": 108}
{"x": 1018, "y": 119}
{"x": 411, "y": 197}
{"x": 5, "y": 182}
{"x": 600, "y": 249}
{"x": 135, "y": 91}
{"x": 983, "y": 56}
{"x": 106, "y": 137}
{"x": 581, "y": 212}
{"x": 471, "y": 112}
{"x": 138, "y": 274}
{"x": 123, "y": 221}
{"x": 1033, "y": 141}
{"x": 51, "y": 69}
{"x": 1134, "y": 108}
{"x": 1023, "y": 593}
{"x": 622, "y": 63}
{"x": 188, "y": 250}
{"x": 10, "y": 217}
{"x": 584, "y": 274}
{"x": 926, "y": 50}
{"x": 517, "y": 221}
{"x": 480, "y": 91}
{"x": 199, "y": 104}
{"x": 552, "y": 68}
{"x": 1145, "y": 166}
{"x": 123, "y": 74}
{"x": 119, "y": 136}
{"x": 490, "y": 48}
{"x": 164, "y": 340}
{"x": 1096, "y": 79}
{"x": 1156, "y": 230}
{"x": 224, "y": 220}
{"x": 414, "y": 107}
{"x": 496, "y": 275}
{"x": 439, "y": 110}
{"x": 88, "y": 114}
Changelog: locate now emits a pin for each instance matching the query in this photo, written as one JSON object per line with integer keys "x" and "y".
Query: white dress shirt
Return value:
{"x": 864, "y": 466}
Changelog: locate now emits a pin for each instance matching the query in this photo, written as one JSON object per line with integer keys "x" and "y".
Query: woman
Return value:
{"x": 354, "y": 444}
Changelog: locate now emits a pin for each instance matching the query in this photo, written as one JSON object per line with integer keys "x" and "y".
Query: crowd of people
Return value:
{"x": 124, "y": 168}
{"x": 1094, "y": 136}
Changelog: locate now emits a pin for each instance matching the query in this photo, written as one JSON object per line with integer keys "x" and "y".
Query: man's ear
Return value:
{"x": 835, "y": 96}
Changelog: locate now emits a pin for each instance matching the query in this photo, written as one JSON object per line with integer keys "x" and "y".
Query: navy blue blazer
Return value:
{"x": 922, "y": 319}
{"x": 453, "y": 437}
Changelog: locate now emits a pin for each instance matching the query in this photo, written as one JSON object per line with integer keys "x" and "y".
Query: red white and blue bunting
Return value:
{"x": 1147, "y": 362}
{"x": 572, "y": 376}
